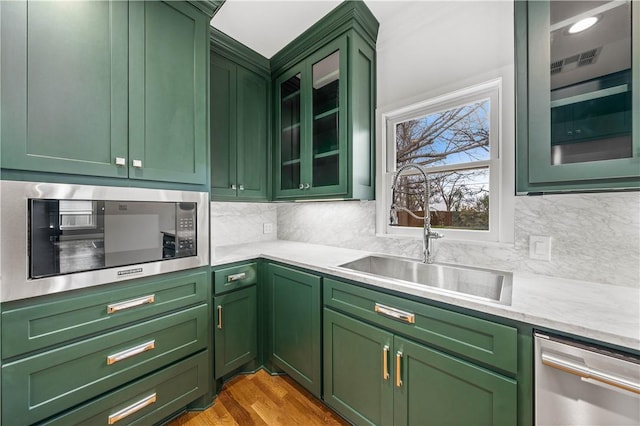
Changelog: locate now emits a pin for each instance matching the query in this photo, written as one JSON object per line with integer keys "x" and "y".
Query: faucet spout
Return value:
{"x": 427, "y": 234}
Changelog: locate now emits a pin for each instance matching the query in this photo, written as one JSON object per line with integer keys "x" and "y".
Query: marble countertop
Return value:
{"x": 600, "y": 312}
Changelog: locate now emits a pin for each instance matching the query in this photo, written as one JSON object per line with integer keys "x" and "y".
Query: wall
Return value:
{"x": 426, "y": 48}
{"x": 241, "y": 223}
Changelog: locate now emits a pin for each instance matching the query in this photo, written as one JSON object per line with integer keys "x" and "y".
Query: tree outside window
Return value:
{"x": 456, "y": 143}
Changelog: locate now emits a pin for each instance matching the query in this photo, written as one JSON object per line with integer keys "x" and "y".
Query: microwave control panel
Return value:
{"x": 186, "y": 242}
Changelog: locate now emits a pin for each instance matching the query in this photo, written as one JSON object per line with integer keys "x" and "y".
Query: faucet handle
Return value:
{"x": 435, "y": 235}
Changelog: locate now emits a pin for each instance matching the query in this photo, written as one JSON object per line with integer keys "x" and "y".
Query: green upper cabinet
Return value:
{"x": 240, "y": 122}
{"x": 168, "y": 51}
{"x": 107, "y": 88}
{"x": 324, "y": 102}
{"x": 64, "y": 86}
{"x": 578, "y": 92}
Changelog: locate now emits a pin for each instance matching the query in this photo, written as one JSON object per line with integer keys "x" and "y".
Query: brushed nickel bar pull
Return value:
{"x": 220, "y": 317}
{"x": 115, "y": 307}
{"x": 133, "y": 408}
{"x": 395, "y": 313}
{"x": 236, "y": 277}
{"x": 398, "y": 369}
{"x": 385, "y": 366}
{"x": 128, "y": 353}
{"x": 587, "y": 373}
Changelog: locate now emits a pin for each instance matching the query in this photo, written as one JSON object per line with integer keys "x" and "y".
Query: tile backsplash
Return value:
{"x": 594, "y": 237}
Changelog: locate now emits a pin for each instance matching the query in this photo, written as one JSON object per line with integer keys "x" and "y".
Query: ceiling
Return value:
{"x": 266, "y": 26}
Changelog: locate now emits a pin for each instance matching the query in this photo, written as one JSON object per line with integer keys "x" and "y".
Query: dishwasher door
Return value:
{"x": 584, "y": 385}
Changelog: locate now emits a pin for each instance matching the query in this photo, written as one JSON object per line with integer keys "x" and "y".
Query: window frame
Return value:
{"x": 498, "y": 226}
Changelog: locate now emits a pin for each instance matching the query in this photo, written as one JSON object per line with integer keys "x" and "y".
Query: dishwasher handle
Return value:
{"x": 587, "y": 373}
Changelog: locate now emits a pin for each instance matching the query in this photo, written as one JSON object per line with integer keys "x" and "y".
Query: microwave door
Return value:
{"x": 44, "y": 258}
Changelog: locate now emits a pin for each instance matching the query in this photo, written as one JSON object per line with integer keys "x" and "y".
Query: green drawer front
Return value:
{"x": 52, "y": 320}
{"x": 157, "y": 395}
{"x": 48, "y": 383}
{"x": 236, "y": 277}
{"x": 484, "y": 341}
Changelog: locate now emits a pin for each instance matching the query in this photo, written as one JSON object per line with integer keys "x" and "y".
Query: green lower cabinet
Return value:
{"x": 355, "y": 383}
{"x": 375, "y": 377}
{"x": 235, "y": 332}
{"x": 294, "y": 328}
{"x": 47, "y": 383}
{"x": 146, "y": 401}
{"x": 438, "y": 389}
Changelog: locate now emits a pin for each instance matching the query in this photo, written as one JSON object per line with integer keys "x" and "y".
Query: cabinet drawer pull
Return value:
{"x": 121, "y": 161}
{"x": 115, "y": 307}
{"x": 133, "y": 408}
{"x": 236, "y": 277}
{"x": 128, "y": 353}
{"x": 395, "y": 313}
{"x": 398, "y": 369}
{"x": 137, "y": 164}
{"x": 385, "y": 361}
{"x": 220, "y": 317}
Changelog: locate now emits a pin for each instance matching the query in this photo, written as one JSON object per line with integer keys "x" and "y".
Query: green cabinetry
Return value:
{"x": 240, "y": 121}
{"x": 324, "y": 95}
{"x": 578, "y": 125}
{"x": 294, "y": 329}
{"x": 64, "y": 350}
{"x": 415, "y": 371}
{"x": 108, "y": 89}
{"x": 235, "y": 321}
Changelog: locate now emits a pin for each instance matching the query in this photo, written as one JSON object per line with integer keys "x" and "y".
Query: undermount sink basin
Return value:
{"x": 486, "y": 284}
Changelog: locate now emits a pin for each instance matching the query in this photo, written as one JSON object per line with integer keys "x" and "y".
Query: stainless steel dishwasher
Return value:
{"x": 578, "y": 384}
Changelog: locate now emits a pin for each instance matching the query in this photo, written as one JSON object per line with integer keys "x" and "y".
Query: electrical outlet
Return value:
{"x": 540, "y": 247}
{"x": 267, "y": 228}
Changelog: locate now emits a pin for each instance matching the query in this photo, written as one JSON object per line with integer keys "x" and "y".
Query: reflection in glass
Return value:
{"x": 459, "y": 199}
{"x": 590, "y": 81}
{"x": 290, "y": 133}
{"x": 326, "y": 108}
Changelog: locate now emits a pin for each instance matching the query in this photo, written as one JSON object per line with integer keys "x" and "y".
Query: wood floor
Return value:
{"x": 262, "y": 399}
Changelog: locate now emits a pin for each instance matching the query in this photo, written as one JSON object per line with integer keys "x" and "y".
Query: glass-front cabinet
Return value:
{"x": 312, "y": 125}
{"x": 324, "y": 106}
{"x": 578, "y": 105}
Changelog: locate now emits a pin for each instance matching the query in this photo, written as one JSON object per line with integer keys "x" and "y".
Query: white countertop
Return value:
{"x": 601, "y": 312}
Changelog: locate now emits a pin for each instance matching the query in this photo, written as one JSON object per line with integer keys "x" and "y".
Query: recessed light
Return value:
{"x": 583, "y": 24}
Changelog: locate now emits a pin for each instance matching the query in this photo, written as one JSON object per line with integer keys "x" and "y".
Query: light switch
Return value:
{"x": 540, "y": 247}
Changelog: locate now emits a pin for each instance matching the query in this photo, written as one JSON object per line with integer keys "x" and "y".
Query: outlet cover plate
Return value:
{"x": 540, "y": 247}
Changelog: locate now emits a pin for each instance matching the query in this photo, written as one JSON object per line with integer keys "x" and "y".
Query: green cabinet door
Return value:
{"x": 576, "y": 131}
{"x": 64, "y": 77}
{"x": 358, "y": 381}
{"x": 253, "y": 128}
{"x": 294, "y": 327}
{"x": 324, "y": 103}
{"x": 239, "y": 131}
{"x": 437, "y": 389}
{"x": 223, "y": 129}
{"x": 235, "y": 332}
{"x": 168, "y": 54}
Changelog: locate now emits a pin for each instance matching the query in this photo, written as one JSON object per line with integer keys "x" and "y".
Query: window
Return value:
{"x": 455, "y": 139}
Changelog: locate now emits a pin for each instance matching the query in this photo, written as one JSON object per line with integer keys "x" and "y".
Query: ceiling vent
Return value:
{"x": 574, "y": 61}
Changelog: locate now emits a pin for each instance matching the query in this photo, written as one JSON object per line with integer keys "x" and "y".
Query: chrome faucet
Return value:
{"x": 427, "y": 235}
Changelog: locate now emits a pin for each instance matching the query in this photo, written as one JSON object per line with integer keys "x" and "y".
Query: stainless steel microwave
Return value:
{"x": 58, "y": 237}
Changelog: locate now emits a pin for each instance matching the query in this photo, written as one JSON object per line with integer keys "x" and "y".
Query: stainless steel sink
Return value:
{"x": 486, "y": 284}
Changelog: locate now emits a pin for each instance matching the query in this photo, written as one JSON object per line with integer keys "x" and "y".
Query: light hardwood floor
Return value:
{"x": 261, "y": 399}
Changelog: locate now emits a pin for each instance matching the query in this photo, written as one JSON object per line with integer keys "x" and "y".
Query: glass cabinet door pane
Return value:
{"x": 290, "y": 133}
{"x": 590, "y": 46}
{"x": 326, "y": 108}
